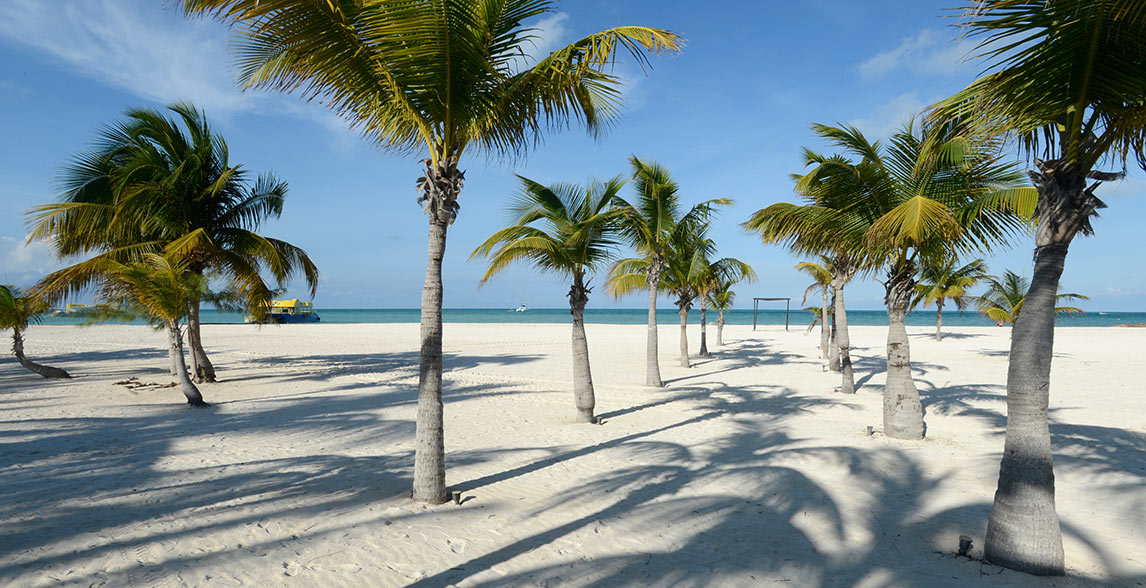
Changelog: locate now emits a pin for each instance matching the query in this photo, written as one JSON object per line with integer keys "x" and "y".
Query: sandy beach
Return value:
{"x": 746, "y": 470}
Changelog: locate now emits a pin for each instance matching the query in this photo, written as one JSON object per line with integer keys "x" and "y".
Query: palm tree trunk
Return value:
{"x": 204, "y": 371}
{"x": 902, "y": 411}
{"x": 833, "y": 345}
{"x": 843, "y": 342}
{"x": 683, "y": 312}
{"x": 194, "y": 398}
{"x": 825, "y": 328}
{"x": 582, "y": 376}
{"x": 172, "y": 361}
{"x": 652, "y": 365}
{"x": 720, "y": 329}
{"x": 703, "y": 327}
{"x": 939, "y": 319}
{"x": 44, "y": 370}
{"x": 439, "y": 186}
{"x": 1023, "y": 532}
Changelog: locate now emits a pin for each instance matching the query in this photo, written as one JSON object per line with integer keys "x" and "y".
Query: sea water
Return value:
{"x": 633, "y": 316}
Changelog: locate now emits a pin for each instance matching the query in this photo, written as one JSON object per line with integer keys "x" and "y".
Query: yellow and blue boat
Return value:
{"x": 289, "y": 311}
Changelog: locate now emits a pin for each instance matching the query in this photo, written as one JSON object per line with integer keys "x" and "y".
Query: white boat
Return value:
{"x": 521, "y": 308}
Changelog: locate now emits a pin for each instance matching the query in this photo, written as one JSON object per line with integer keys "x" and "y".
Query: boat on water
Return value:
{"x": 73, "y": 310}
{"x": 289, "y": 311}
{"x": 521, "y": 308}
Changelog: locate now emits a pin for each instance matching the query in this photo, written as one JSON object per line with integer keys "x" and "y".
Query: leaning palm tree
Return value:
{"x": 567, "y": 230}
{"x": 1006, "y": 296}
{"x": 941, "y": 281}
{"x": 650, "y": 224}
{"x": 163, "y": 287}
{"x": 1067, "y": 81}
{"x": 436, "y": 77}
{"x": 721, "y": 298}
{"x": 821, "y": 280}
{"x": 155, "y": 184}
{"x": 709, "y": 277}
{"x": 17, "y": 312}
{"x": 928, "y": 194}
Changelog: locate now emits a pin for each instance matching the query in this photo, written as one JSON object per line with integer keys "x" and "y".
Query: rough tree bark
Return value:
{"x": 438, "y": 193}
{"x": 902, "y": 411}
{"x": 720, "y": 328}
{"x": 44, "y": 370}
{"x": 172, "y": 361}
{"x": 843, "y": 342}
{"x": 583, "y": 396}
{"x": 833, "y": 344}
{"x": 939, "y": 319}
{"x": 1023, "y": 532}
{"x": 652, "y": 365}
{"x": 683, "y": 312}
{"x": 204, "y": 370}
{"x": 825, "y": 328}
{"x": 703, "y": 328}
{"x": 194, "y": 398}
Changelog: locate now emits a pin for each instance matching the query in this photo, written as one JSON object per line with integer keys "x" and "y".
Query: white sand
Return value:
{"x": 746, "y": 470}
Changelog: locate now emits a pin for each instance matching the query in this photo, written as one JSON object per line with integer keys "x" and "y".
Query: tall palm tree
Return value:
{"x": 925, "y": 196}
{"x": 709, "y": 277}
{"x": 1006, "y": 296}
{"x": 567, "y": 230}
{"x": 822, "y": 281}
{"x": 941, "y": 280}
{"x": 163, "y": 287}
{"x": 650, "y": 223}
{"x": 1067, "y": 81}
{"x": 154, "y": 183}
{"x": 16, "y": 312}
{"x": 435, "y": 77}
{"x": 721, "y": 298}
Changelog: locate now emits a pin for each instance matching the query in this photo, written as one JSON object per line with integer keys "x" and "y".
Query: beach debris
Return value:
{"x": 457, "y": 496}
{"x": 964, "y": 545}
{"x": 133, "y": 383}
{"x": 870, "y": 430}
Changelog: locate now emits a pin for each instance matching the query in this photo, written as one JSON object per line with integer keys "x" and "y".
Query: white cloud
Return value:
{"x": 890, "y": 117}
{"x": 929, "y": 53}
{"x": 22, "y": 263}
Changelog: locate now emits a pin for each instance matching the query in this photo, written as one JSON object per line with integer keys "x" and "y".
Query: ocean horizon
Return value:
{"x": 632, "y": 316}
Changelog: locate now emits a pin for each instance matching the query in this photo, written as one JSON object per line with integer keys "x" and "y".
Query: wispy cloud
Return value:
{"x": 23, "y": 263}
{"x": 929, "y": 53}
{"x": 890, "y": 117}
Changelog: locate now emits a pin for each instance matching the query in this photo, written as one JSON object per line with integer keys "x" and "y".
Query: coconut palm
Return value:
{"x": 17, "y": 312}
{"x": 650, "y": 224}
{"x": 1067, "y": 81}
{"x": 436, "y": 77}
{"x": 721, "y": 298}
{"x": 163, "y": 287}
{"x": 712, "y": 275}
{"x": 941, "y": 281}
{"x": 1006, "y": 296}
{"x": 822, "y": 281}
{"x": 928, "y": 194}
{"x": 154, "y": 183}
{"x": 567, "y": 230}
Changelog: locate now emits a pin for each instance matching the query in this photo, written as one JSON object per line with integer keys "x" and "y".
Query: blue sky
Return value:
{"x": 728, "y": 116}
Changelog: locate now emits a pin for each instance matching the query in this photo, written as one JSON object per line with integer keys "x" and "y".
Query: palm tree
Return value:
{"x": 152, "y": 185}
{"x": 567, "y": 230}
{"x": 650, "y": 224}
{"x": 16, "y": 312}
{"x": 1066, "y": 80}
{"x": 821, "y": 280}
{"x": 163, "y": 287}
{"x": 712, "y": 275}
{"x": 941, "y": 281}
{"x": 721, "y": 298}
{"x": 1007, "y": 295}
{"x": 436, "y": 77}
{"x": 924, "y": 197}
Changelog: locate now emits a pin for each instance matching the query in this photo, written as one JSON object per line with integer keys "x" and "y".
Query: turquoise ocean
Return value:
{"x": 634, "y": 316}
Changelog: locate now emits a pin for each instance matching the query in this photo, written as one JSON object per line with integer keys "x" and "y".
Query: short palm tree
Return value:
{"x": 709, "y": 277}
{"x": 17, "y": 312}
{"x": 941, "y": 281}
{"x": 821, "y": 280}
{"x": 1066, "y": 80}
{"x": 721, "y": 298}
{"x": 438, "y": 77}
{"x": 928, "y": 194}
{"x": 651, "y": 224}
{"x": 567, "y": 230}
{"x": 163, "y": 287}
{"x": 1006, "y": 296}
{"x": 155, "y": 184}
